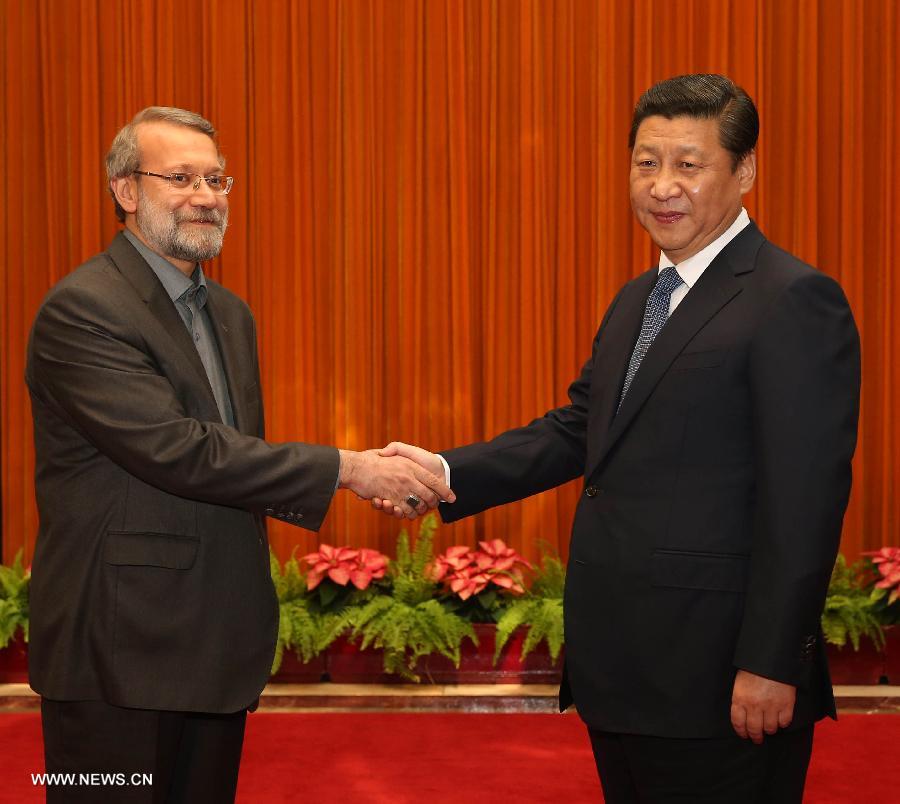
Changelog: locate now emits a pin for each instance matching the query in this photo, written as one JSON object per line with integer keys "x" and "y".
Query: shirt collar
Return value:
{"x": 176, "y": 284}
{"x": 692, "y": 267}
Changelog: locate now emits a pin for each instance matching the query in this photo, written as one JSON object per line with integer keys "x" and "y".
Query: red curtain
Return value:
{"x": 430, "y": 210}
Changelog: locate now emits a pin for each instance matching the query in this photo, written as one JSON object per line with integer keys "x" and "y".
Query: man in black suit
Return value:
{"x": 153, "y": 614}
{"x": 713, "y": 427}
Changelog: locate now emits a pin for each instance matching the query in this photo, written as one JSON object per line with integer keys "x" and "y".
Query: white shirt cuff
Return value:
{"x": 446, "y": 469}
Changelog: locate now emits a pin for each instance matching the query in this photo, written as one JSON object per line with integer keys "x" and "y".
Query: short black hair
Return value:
{"x": 704, "y": 96}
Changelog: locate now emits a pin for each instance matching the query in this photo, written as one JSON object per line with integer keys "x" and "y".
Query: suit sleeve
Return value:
{"x": 805, "y": 377}
{"x": 527, "y": 460}
{"x": 90, "y": 365}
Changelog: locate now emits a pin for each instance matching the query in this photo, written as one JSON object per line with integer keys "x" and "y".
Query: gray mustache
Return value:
{"x": 217, "y": 219}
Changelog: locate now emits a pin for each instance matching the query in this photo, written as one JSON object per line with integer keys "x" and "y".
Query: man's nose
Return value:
{"x": 202, "y": 195}
{"x": 665, "y": 185}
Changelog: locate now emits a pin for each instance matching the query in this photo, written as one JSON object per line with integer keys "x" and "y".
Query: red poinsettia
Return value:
{"x": 344, "y": 565}
{"x": 466, "y": 572}
{"x": 370, "y": 565}
{"x": 887, "y": 559}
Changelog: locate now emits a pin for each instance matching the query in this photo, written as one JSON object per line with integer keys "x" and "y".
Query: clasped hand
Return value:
{"x": 389, "y": 477}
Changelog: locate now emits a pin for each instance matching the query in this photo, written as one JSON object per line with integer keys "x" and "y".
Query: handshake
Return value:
{"x": 401, "y": 480}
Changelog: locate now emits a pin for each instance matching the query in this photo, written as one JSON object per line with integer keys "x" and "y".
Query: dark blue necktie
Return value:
{"x": 655, "y": 316}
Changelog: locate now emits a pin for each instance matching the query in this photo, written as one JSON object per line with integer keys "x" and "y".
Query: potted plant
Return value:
{"x": 851, "y": 613}
{"x": 532, "y": 622}
{"x": 479, "y": 585}
{"x": 405, "y": 625}
{"x": 14, "y": 582}
{"x": 313, "y": 606}
{"x": 886, "y": 566}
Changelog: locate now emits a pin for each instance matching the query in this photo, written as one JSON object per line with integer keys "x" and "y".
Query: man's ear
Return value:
{"x": 124, "y": 189}
{"x": 746, "y": 171}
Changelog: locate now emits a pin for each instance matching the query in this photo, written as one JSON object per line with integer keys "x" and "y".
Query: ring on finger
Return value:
{"x": 412, "y": 501}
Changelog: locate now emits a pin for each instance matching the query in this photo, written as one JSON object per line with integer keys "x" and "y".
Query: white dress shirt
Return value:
{"x": 691, "y": 269}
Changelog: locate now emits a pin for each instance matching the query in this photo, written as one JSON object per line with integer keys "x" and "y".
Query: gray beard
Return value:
{"x": 167, "y": 235}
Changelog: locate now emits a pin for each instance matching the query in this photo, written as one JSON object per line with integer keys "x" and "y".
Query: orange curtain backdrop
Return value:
{"x": 430, "y": 211}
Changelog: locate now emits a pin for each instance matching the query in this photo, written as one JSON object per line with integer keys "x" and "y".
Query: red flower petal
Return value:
{"x": 361, "y": 578}
{"x": 339, "y": 575}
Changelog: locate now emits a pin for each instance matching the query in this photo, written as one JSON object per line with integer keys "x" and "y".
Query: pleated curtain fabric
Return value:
{"x": 431, "y": 209}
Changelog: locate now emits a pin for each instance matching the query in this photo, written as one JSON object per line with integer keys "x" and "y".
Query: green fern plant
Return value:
{"x": 303, "y": 626}
{"x": 540, "y": 611}
{"x": 411, "y": 623}
{"x": 14, "y": 583}
{"x": 851, "y": 608}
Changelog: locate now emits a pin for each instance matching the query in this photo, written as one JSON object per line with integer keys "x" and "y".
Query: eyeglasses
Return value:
{"x": 220, "y": 185}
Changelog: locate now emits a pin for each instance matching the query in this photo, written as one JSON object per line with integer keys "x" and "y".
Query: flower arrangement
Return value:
{"x": 410, "y": 623}
{"x": 477, "y": 583}
{"x": 316, "y": 601}
{"x": 342, "y": 569}
{"x": 421, "y": 603}
{"x": 314, "y": 604}
{"x": 887, "y": 560}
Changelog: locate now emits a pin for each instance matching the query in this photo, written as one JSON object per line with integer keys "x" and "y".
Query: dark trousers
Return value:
{"x": 637, "y": 769}
{"x": 141, "y": 756}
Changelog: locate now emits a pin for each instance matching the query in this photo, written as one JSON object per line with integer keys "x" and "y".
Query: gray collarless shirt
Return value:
{"x": 190, "y": 296}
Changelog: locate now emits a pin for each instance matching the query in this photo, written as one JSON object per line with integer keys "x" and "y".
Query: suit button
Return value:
{"x": 592, "y": 491}
{"x": 269, "y": 511}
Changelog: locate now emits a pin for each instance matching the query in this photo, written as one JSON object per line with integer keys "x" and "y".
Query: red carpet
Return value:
{"x": 394, "y": 758}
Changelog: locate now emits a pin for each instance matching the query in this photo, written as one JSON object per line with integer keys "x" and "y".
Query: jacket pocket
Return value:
{"x": 135, "y": 549}
{"x": 712, "y": 572}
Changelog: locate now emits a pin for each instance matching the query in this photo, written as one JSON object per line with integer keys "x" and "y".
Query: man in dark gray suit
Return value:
{"x": 713, "y": 428}
{"x": 153, "y": 615}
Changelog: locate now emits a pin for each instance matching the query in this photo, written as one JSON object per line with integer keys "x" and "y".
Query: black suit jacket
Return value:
{"x": 713, "y": 500}
{"x": 151, "y": 584}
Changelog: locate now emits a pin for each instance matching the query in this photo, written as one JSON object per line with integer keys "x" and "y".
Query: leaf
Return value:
{"x": 550, "y": 579}
{"x": 13, "y": 578}
{"x": 327, "y": 593}
{"x": 510, "y": 620}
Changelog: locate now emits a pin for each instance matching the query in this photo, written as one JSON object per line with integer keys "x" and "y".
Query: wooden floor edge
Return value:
{"x": 881, "y": 691}
{"x": 446, "y": 698}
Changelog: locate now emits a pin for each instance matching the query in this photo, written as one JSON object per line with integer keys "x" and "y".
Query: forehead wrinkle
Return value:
{"x": 191, "y": 167}
{"x": 679, "y": 148}
{"x": 152, "y": 133}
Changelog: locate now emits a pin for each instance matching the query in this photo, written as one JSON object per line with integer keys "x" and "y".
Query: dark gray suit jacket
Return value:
{"x": 713, "y": 500}
{"x": 151, "y": 584}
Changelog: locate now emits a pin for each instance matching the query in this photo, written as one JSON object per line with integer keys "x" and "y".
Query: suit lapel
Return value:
{"x": 717, "y": 286}
{"x": 135, "y": 269}
{"x": 619, "y": 337}
{"x": 227, "y": 327}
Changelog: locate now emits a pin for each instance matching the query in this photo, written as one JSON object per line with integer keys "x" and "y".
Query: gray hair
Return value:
{"x": 124, "y": 157}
